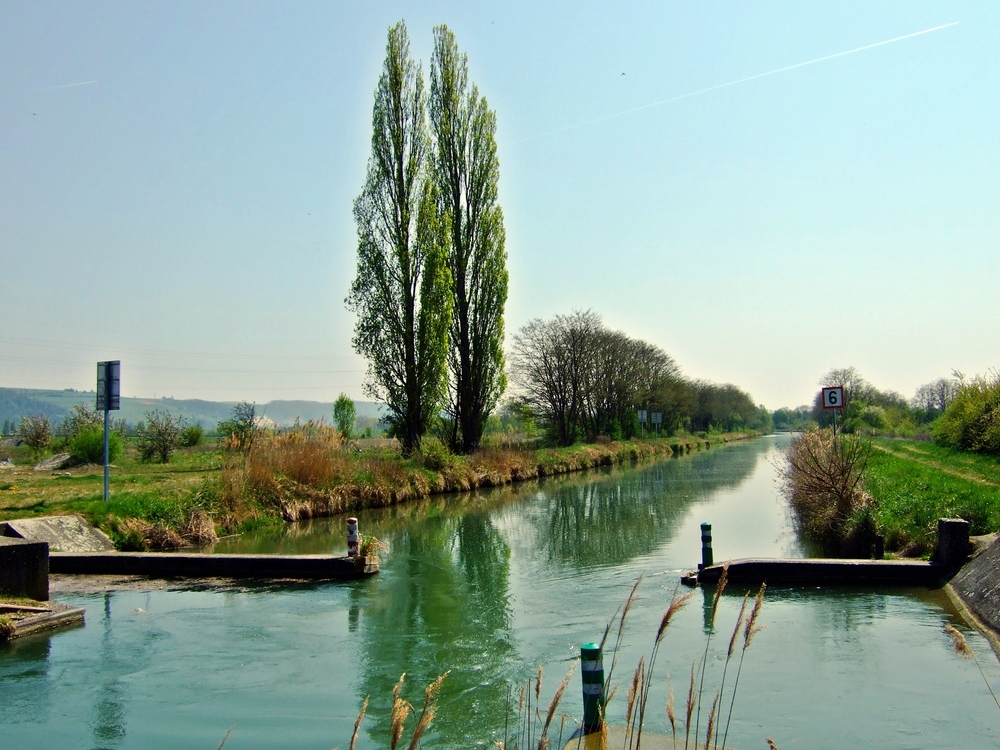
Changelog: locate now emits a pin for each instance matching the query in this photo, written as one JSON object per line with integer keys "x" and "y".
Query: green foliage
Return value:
{"x": 466, "y": 171}
{"x": 971, "y": 422}
{"x": 344, "y": 415}
{"x": 401, "y": 290}
{"x": 240, "y": 431}
{"x": 726, "y": 408}
{"x": 191, "y": 436}
{"x": 87, "y": 444}
{"x": 36, "y": 431}
{"x": 434, "y": 454}
{"x": 792, "y": 419}
{"x": 158, "y": 436}
{"x": 81, "y": 418}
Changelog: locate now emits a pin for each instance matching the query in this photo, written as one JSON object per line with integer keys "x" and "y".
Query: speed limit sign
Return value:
{"x": 833, "y": 398}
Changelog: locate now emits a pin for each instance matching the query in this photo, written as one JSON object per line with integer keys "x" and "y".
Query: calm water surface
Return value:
{"x": 489, "y": 586}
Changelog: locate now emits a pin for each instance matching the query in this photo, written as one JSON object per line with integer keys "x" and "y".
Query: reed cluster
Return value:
{"x": 533, "y": 729}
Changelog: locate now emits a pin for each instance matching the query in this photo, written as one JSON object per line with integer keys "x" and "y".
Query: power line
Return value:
{"x": 166, "y": 352}
{"x": 153, "y": 368}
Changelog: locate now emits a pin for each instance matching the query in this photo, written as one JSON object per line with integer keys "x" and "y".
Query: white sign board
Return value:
{"x": 833, "y": 398}
{"x": 642, "y": 416}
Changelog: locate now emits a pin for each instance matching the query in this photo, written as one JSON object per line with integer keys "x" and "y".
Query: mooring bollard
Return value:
{"x": 707, "y": 558}
{"x": 592, "y": 672}
{"x": 953, "y": 542}
{"x": 352, "y": 537}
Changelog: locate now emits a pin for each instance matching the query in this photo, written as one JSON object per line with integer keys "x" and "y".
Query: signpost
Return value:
{"x": 642, "y": 422}
{"x": 833, "y": 398}
{"x": 657, "y": 418}
{"x": 108, "y": 398}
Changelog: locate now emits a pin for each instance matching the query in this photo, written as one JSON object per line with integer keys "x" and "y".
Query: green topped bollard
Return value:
{"x": 592, "y": 672}
{"x": 707, "y": 558}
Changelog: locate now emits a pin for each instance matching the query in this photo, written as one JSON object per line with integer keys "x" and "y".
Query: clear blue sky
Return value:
{"x": 187, "y": 207}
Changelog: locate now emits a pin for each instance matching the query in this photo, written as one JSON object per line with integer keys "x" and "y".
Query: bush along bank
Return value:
{"x": 857, "y": 497}
{"x": 309, "y": 472}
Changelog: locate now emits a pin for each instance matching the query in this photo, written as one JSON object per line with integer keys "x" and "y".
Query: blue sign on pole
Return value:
{"x": 109, "y": 391}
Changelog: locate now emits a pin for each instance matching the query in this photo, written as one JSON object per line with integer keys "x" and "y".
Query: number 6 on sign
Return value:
{"x": 833, "y": 398}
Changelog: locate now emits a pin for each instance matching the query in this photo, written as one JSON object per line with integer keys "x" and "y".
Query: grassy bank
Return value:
{"x": 848, "y": 490}
{"x": 288, "y": 476}
{"x": 915, "y": 483}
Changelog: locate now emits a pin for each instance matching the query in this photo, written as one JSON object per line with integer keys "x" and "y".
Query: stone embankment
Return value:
{"x": 976, "y": 587}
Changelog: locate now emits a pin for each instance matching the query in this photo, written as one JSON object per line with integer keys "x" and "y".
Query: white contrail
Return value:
{"x": 68, "y": 85}
{"x": 699, "y": 92}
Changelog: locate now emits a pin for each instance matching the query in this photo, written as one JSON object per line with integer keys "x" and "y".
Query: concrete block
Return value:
{"x": 24, "y": 568}
{"x": 953, "y": 542}
{"x": 63, "y": 533}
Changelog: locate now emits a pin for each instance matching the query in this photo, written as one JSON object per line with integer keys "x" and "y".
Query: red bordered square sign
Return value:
{"x": 833, "y": 398}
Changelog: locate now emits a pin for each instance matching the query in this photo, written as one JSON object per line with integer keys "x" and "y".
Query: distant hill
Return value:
{"x": 16, "y": 403}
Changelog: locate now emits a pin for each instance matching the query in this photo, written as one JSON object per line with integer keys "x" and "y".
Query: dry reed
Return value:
{"x": 719, "y": 588}
{"x": 428, "y": 711}
{"x": 357, "y": 723}
{"x": 962, "y": 647}
{"x": 551, "y": 712}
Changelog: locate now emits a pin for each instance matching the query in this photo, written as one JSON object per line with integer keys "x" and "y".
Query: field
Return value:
{"x": 915, "y": 483}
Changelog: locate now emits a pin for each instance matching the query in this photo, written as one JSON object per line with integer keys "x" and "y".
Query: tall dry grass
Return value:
{"x": 530, "y": 730}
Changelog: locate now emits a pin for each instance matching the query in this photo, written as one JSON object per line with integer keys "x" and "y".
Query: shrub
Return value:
{"x": 81, "y": 418}
{"x": 823, "y": 479}
{"x": 240, "y": 430}
{"x": 434, "y": 454}
{"x": 88, "y": 445}
{"x": 36, "y": 431}
{"x": 158, "y": 436}
{"x": 972, "y": 420}
{"x": 192, "y": 436}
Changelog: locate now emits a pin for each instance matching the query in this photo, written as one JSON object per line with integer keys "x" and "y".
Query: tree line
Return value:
{"x": 431, "y": 282}
{"x": 581, "y": 380}
{"x": 958, "y": 411}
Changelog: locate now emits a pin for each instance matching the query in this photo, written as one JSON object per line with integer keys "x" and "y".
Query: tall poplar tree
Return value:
{"x": 466, "y": 171}
{"x": 401, "y": 292}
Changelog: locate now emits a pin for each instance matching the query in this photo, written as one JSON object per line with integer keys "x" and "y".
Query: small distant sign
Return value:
{"x": 642, "y": 416}
{"x": 833, "y": 398}
{"x": 109, "y": 387}
{"x": 657, "y": 417}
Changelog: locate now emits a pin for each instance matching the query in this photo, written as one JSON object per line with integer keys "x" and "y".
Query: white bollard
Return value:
{"x": 352, "y": 537}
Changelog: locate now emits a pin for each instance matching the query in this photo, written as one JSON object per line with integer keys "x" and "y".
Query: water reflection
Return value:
{"x": 612, "y": 520}
{"x": 490, "y": 585}
{"x": 108, "y": 724}
{"x": 24, "y": 674}
{"x": 444, "y": 608}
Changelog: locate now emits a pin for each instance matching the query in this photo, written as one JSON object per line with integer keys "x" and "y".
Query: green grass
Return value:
{"x": 975, "y": 465}
{"x": 911, "y": 495}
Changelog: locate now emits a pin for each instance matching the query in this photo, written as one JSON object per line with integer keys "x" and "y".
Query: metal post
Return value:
{"x": 592, "y": 672}
{"x": 106, "y": 455}
{"x": 352, "y": 537}
{"x": 707, "y": 558}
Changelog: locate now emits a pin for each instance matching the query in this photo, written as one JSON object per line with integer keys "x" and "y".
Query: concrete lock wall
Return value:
{"x": 24, "y": 568}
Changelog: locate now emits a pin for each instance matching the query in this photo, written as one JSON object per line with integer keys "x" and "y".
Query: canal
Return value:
{"x": 490, "y": 586}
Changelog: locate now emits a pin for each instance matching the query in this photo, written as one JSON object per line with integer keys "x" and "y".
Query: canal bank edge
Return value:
{"x": 472, "y": 475}
{"x": 975, "y": 591}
